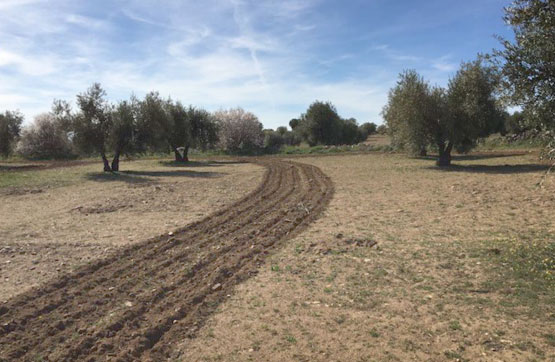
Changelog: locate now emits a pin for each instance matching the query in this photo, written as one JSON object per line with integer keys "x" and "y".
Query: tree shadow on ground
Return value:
{"x": 141, "y": 177}
{"x": 494, "y": 169}
{"x": 199, "y": 163}
{"x": 20, "y": 167}
{"x": 117, "y": 176}
{"x": 180, "y": 173}
{"x": 477, "y": 156}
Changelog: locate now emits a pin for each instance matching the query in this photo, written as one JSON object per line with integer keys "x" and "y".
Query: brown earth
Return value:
{"x": 53, "y": 221}
{"x": 408, "y": 263}
{"x": 137, "y": 302}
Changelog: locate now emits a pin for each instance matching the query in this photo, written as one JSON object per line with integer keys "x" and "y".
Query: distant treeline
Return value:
{"x": 156, "y": 124}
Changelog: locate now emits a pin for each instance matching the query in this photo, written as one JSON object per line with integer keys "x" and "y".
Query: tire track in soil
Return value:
{"x": 135, "y": 304}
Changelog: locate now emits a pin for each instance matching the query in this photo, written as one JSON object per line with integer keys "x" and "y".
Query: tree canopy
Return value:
{"x": 322, "y": 125}
{"x": 528, "y": 62}
{"x": 419, "y": 115}
{"x": 10, "y": 127}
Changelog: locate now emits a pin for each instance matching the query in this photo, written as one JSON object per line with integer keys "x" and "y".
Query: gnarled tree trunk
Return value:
{"x": 107, "y": 167}
{"x": 115, "y": 161}
{"x": 186, "y": 154}
{"x": 178, "y": 156}
{"x": 444, "y": 154}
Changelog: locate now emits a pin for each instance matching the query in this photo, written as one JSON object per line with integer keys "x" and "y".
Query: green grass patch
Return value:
{"x": 320, "y": 149}
{"x": 522, "y": 271}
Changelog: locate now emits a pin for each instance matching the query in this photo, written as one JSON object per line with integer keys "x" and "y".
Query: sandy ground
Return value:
{"x": 430, "y": 289}
{"x": 51, "y": 227}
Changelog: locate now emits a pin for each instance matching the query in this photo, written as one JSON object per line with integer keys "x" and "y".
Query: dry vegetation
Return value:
{"x": 56, "y": 219}
{"x": 461, "y": 270}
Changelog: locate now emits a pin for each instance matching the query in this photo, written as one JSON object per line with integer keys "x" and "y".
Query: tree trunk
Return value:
{"x": 178, "y": 156}
{"x": 444, "y": 155}
{"x": 115, "y": 161}
{"x": 106, "y": 163}
{"x": 423, "y": 152}
{"x": 186, "y": 154}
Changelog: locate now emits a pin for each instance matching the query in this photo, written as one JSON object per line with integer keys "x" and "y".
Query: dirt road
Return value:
{"x": 135, "y": 304}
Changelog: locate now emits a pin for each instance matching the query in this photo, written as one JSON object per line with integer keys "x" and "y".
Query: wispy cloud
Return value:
{"x": 271, "y": 57}
{"x": 445, "y": 64}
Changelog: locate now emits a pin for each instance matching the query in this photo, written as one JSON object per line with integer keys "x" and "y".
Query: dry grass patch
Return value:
{"x": 461, "y": 270}
{"x": 56, "y": 219}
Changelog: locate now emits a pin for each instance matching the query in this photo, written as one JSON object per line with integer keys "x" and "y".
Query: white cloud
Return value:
{"x": 444, "y": 65}
{"x": 27, "y": 64}
{"x": 213, "y": 54}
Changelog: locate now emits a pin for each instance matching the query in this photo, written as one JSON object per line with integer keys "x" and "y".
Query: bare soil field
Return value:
{"x": 408, "y": 263}
{"x": 138, "y": 301}
{"x": 57, "y": 219}
{"x": 405, "y": 262}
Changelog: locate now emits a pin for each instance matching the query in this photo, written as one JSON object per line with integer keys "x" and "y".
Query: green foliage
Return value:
{"x": 366, "y": 129}
{"x": 472, "y": 107}
{"x": 282, "y": 130}
{"x": 382, "y": 129}
{"x": 514, "y": 123}
{"x": 273, "y": 141}
{"x": 204, "y": 129}
{"x": 10, "y": 127}
{"x": 528, "y": 63}
{"x": 123, "y": 126}
{"x": 349, "y": 132}
{"x": 156, "y": 123}
{"x": 408, "y": 113}
{"x": 419, "y": 116}
{"x": 294, "y": 123}
{"x": 92, "y": 125}
{"x": 322, "y": 125}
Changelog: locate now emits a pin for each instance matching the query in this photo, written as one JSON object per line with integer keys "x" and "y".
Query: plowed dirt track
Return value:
{"x": 135, "y": 304}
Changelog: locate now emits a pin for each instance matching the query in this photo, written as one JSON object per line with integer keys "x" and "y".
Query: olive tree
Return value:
{"x": 472, "y": 108}
{"x": 350, "y": 133}
{"x": 167, "y": 124}
{"x": 528, "y": 62}
{"x": 122, "y": 131}
{"x": 203, "y": 130}
{"x": 103, "y": 128}
{"x": 93, "y": 123}
{"x": 10, "y": 127}
{"x": 321, "y": 124}
{"x": 419, "y": 115}
{"x": 368, "y": 128}
{"x": 407, "y": 113}
{"x": 160, "y": 122}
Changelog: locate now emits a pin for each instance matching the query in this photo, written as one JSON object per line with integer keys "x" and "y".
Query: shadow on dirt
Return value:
{"x": 20, "y": 167}
{"x": 494, "y": 169}
{"x": 180, "y": 173}
{"x": 141, "y": 177}
{"x": 199, "y": 163}
{"x": 477, "y": 156}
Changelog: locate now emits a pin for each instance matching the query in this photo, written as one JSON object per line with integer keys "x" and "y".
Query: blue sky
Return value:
{"x": 270, "y": 57}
